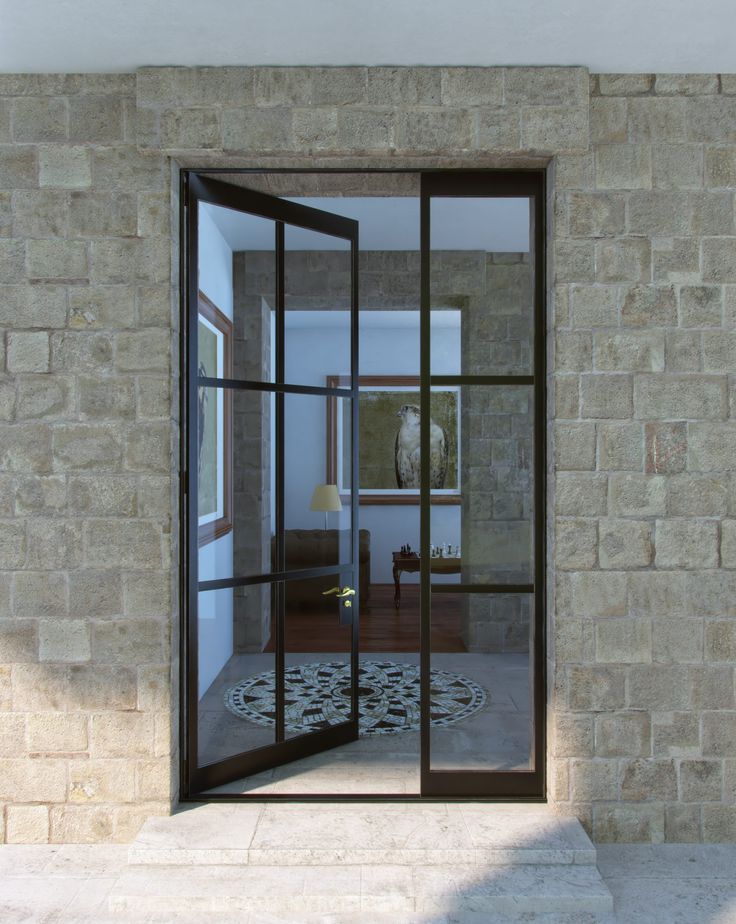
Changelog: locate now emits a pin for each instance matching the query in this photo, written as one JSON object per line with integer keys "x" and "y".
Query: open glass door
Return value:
{"x": 482, "y": 251}
{"x": 264, "y": 533}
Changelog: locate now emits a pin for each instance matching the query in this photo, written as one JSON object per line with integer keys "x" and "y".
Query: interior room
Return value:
{"x": 481, "y": 518}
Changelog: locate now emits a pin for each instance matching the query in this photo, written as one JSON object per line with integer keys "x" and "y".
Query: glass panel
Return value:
{"x": 236, "y": 480}
{"x": 317, "y": 288}
{"x": 481, "y": 698}
{"x": 237, "y": 274}
{"x": 317, "y": 643}
{"x": 237, "y": 700}
{"x": 481, "y": 268}
{"x": 317, "y": 511}
{"x": 481, "y": 444}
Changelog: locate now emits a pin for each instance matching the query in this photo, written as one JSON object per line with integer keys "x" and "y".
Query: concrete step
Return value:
{"x": 474, "y": 835}
{"x": 431, "y": 893}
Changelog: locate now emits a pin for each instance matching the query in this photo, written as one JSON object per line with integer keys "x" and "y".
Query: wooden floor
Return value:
{"x": 382, "y": 626}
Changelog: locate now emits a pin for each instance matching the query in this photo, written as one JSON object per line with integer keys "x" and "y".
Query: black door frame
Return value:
{"x": 527, "y": 786}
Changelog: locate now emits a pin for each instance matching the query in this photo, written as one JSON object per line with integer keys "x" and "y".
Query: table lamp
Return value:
{"x": 325, "y": 498}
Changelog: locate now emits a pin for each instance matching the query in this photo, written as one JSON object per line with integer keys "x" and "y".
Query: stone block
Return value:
{"x": 44, "y": 396}
{"x": 574, "y": 171}
{"x": 713, "y": 687}
{"x": 123, "y": 543}
{"x": 27, "y": 824}
{"x": 711, "y": 593}
{"x": 632, "y": 351}
{"x": 18, "y": 166}
{"x": 719, "y": 351}
{"x": 90, "y": 688}
{"x": 154, "y": 688}
{"x": 95, "y": 119}
{"x": 628, "y": 824}
{"x": 33, "y": 306}
{"x": 567, "y": 397}
{"x": 684, "y": 351}
{"x": 696, "y": 495}
{"x": 720, "y": 641}
{"x": 478, "y": 86}
{"x": 404, "y": 86}
{"x": 153, "y": 306}
{"x": 143, "y": 351}
{"x": 711, "y": 213}
{"x": 658, "y": 687}
{"x": 623, "y": 166}
{"x": 499, "y": 130}
{"x": 153, "y": 779}
{"x": 677, "y": 166}
{"x": 719, "y": 259}
{"x": 686, "y": 543}
{"x": 101, "y": 781}
{"x": 680, "y": 396}
{"x": 595, "y": 306}
{"x": 40, "y": 119}
{"x": 595, "y": 688}
{"x": 368, "y": 130}
{"x": 199, "y": 86}
{"x": 659, "y": 213}
{"x": 623, "y": 641}
{"x": 624, "y": 260}
{"x": 80, "y": 824}
{"x": 53, "y": 543}
{"x": 257, "y": 129}
{"x": 64, "y": 166}
{"x": 625, "y": 84}
{"x": 128, "y": 640}
{"x": 95, "y": 594}
{"x": 27, "y": 351}
{"x": 148, "y": 448}
{"x": 574, "y": 448}
{"x": 546, "y": 86}
{"x": 314, "y": 129}
{"x": 428, "y": 129}
{"x": 712, "y": 119}
{"x": 103, "y": 495}
{"x": 676, "y": 260}
{"x": 656, "y": 119}
{"x": 147, "y": 594}
{"x": 701, "y": 306}
{"x": 25, "y": 448}
{"x": 623, "y": 734}
{"x": 12, "y": 261}
{"x": 677, "y": 641}
{"x": 676, "y": 734}
{"x": 608, "y": 120}
{"x": 39, "y": 780}
{"x": 102, "y": 214}
{"x": 633, "y": 494}
{"x": 576, "y": 541}
{"x": 648, "y": 780}
{"x": 581, "y": 494}
{"x": 719, "y": 734}
{"x": 719, "y": 823}
{"x": 64, "y": 640}
{"x": 656, "y": 595}
{"x": 593, "y": 780}
{"x": 59, "y": 732}
{"x": 682, "y": 823}
{"x": 79, "y": 447}
{"x": 154, "y": 214}
{"x": 595, "y": 214}
{"x": 122, "y": 167}
{"x": 122, "y": 734}
{"x": 728, "y": 544}
{"x": 606, "y": 396}
{"x": 666, "y": 447}
{"x": 720, "y": 167}
{"x": 620, "y": 446}
{"x": 77, "y": 352}
{"x": 599, "y": 594}
{"x": 711, "y": 447}
{"x": 153, "y": 396}
{"x": 624, "y": 544}
{"x": 184, "y": 129}
{"x": 686, "y": 84}
{"x": 58, "y": 260}
{"x": 40, "y": 213}
{"x": 18, "y": 640}
{"x": 107, "y": 398}
{"x": 574, "y": 261}
{"x": 572, "y": 735}
{"x": 12, "y": 544}
{"x": 40, "y": 594}
{"x": 551, "y": 129}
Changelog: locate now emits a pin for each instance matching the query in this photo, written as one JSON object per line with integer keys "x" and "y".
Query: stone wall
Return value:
{"x": 86, "y": 613}
{"x": 642, "y": 317}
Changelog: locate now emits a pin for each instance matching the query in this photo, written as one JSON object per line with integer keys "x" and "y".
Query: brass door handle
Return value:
{"x": 342, "y": 593}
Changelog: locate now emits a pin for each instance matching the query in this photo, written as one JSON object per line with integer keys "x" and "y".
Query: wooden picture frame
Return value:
{"x": 215, "y": 430}
{"x": 401, "y": 385}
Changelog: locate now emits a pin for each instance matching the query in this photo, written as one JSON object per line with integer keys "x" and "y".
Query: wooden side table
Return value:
{"x": 411, "y": 564}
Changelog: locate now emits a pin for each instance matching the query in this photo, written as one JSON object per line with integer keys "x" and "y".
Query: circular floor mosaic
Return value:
{"x": 318, "y": 695}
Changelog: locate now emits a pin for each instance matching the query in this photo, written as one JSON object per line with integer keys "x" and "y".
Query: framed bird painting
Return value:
{"x": 390, "y": 418}
{"x": 215, "y": 424}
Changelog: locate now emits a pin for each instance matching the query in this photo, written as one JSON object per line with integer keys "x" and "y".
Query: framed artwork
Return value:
{"x": 214, "y": 475}
{"x": 389, "y": 441}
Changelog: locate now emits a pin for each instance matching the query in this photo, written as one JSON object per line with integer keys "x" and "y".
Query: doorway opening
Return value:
{"x": 364, "y": 419}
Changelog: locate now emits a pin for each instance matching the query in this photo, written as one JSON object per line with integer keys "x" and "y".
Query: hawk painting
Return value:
{"x": 407, "y": 450}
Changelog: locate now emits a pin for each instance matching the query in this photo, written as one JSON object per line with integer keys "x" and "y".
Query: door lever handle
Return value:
{"x": 342, "y": 592}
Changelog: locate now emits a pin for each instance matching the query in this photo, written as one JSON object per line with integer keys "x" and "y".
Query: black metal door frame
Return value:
{"x": 435, "y": 786}
{"x": 196, "y": 777}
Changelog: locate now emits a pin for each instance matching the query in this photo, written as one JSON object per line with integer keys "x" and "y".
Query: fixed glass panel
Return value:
{"x": 317, "y": 302}
{"x": 236, "y": 476}
{"x": 237, "y": 276}
{"x": 317, "y": 459}
{"x": 236, "y": 669}
{"x": 317, "y": 645}
{"x": 481, "y": 268}
{"x": 481, "y": 698}
{"x": 481, "y": 450}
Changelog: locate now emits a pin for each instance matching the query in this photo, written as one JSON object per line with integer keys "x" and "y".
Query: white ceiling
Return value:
{"x": 667, "y": 36}
{"x": 392, "y": 223}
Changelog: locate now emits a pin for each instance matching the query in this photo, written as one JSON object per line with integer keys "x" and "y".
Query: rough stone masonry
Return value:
{"x": 642, "y": 345}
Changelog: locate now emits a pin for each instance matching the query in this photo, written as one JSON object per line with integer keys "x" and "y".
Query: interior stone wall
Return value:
{"x": 642, "y": 323}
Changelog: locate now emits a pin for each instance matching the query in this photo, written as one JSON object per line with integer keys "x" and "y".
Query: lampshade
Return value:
{"x": 325, "y": 498}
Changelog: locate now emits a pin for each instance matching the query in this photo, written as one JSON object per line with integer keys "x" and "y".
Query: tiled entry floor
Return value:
{"x": 497, "y": 737}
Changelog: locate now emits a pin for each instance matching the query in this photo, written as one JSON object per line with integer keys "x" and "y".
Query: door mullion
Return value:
{"x": 280, "y": 594}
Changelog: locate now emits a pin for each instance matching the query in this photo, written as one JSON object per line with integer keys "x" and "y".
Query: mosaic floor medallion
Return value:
{"x": 318, "y": 695}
